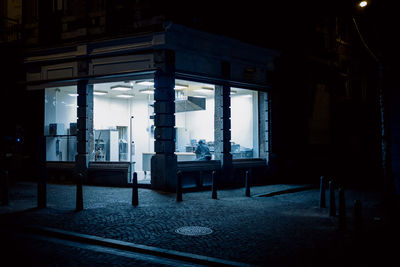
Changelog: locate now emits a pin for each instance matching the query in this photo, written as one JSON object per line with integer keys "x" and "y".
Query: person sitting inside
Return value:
{"x": 202, "y": 151}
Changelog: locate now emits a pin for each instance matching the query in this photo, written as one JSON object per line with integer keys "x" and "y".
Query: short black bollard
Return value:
{"x": 79, "y": 192}
{"x": 4, "y": 188}
{"x": 322, "y": 201}
{"x": 214, "y": 185}
{"x": 179, "y": 187}
{"x": 358, "y": 217}
{"x": 332, "y": 203}
{"x": 135, "y": 195}
{"x": 247, "y": 184}
{"x": 342, "y": 210}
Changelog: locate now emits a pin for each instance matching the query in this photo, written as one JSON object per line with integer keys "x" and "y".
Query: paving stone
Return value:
{"x": 256, "y": 230}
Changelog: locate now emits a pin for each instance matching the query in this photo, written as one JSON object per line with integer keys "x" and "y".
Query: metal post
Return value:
{"x": 322, "y": 202}
{"x": 79, "y": 192}
{"x": 179, "y": 187}
{"x": 135, "y": 195}
{"x": 131, "y": 148}
{"x": 214, "y": 185}
{"x": 247, "y": 184}
{"x": 4, "y": 188}
{"x": 342, "y": 210}
{"x": 332, "y": 204}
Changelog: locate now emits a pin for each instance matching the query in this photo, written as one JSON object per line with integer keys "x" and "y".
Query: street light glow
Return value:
{"x": 363, "y": 3}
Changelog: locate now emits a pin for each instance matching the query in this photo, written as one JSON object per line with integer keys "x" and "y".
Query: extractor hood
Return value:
{"x": 190, "y": 103}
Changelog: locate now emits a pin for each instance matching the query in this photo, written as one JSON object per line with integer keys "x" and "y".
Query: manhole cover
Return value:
{"x": 194, "y": 230}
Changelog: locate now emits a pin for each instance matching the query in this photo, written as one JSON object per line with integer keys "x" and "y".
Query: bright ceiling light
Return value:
{"x": 100, "y": 92}
{"x": 205, "y": 90}
{"x": 121, "y": 88}
{"x": 180, "y": 87}
{"x": 125, "y": 96}
{"x": 73, "y": 94}
{"x": 363, "y": 3}
{"x": 245, "y": 96}
{"x": 146, "y": 83}
{"x": 147, "y": 91}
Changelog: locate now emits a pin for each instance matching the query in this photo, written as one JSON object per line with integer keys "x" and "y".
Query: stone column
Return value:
{"x": 84, "y": 127}
{"x": 263, "y": 124}
{"x": 222, "y": 131}
{"x": 164, "y": 162}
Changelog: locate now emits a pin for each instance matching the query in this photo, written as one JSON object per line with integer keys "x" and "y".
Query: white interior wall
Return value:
{"x": 141, "y": 127}
{"x": 112, "y": 112}
{"x": 199, "y": 124}
{"x": 109, "y": 113}
{"x": 242, "y": 120}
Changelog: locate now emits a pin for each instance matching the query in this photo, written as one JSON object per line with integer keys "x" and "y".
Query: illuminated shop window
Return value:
{"x": 123, "y": 123}
{"x": 244, "y": 123}
{"x": 60, "y": 123}
{"x": 194, "y": 120}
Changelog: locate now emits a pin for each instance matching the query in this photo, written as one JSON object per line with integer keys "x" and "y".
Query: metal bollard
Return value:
{"x": 357, "y": 217}
{"x": 322, "y": 200}
{"x": 135, "y": 195}
{"x": 342, "y": 210}
{"x": 79, "y": 192}
{"x": 214, "y": 185}
{"x": 247, "y": 184}
{"x": 179, "y": 187}
{"x": 332, "y": 204}
{"x": 4, "y": 188}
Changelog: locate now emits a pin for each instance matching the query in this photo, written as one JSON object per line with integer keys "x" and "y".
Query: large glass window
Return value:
{"x": 244, "y": 123}
{"x": 123, "y": 123}
{"x": 60, "y": 123}
{"x": 194, "y": 120}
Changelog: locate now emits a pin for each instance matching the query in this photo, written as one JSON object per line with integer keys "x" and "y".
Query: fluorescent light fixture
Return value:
{"x": 205, "y": 90}
{"x": 123, "y": 88}
{"x": 245, "y": 96}
{"x": 125, "y": 96}
{"x": 73, "y": 94}
{"x": 146, "y": 83}
{"x": 233, "y": 92}
{"x": 100, "y": 92}
{"x": 180, "y": 86}
{"x": 147, "y": 91}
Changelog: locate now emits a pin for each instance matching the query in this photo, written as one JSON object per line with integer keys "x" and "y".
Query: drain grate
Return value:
{"x": 194, "y": 230}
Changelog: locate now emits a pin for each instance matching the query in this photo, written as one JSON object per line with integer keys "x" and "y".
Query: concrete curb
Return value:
{"x": 286, "y": 191}
{"x": 132, "y": 247}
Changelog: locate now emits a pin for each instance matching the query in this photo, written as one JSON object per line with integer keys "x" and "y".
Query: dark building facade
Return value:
{"x": 313, "y": 107}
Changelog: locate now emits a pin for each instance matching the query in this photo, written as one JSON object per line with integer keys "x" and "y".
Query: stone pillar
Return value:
{"x": 85, "y": 128}
{"x": 222, "y": 131}
{"x": 263, "y": 124}
{"x": 164, "y": 162}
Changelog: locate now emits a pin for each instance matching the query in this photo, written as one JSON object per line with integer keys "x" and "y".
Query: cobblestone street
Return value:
{"x": 282, "y": 230}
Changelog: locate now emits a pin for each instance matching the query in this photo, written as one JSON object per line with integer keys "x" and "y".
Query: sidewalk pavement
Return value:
{"x": 287, "y": 229}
